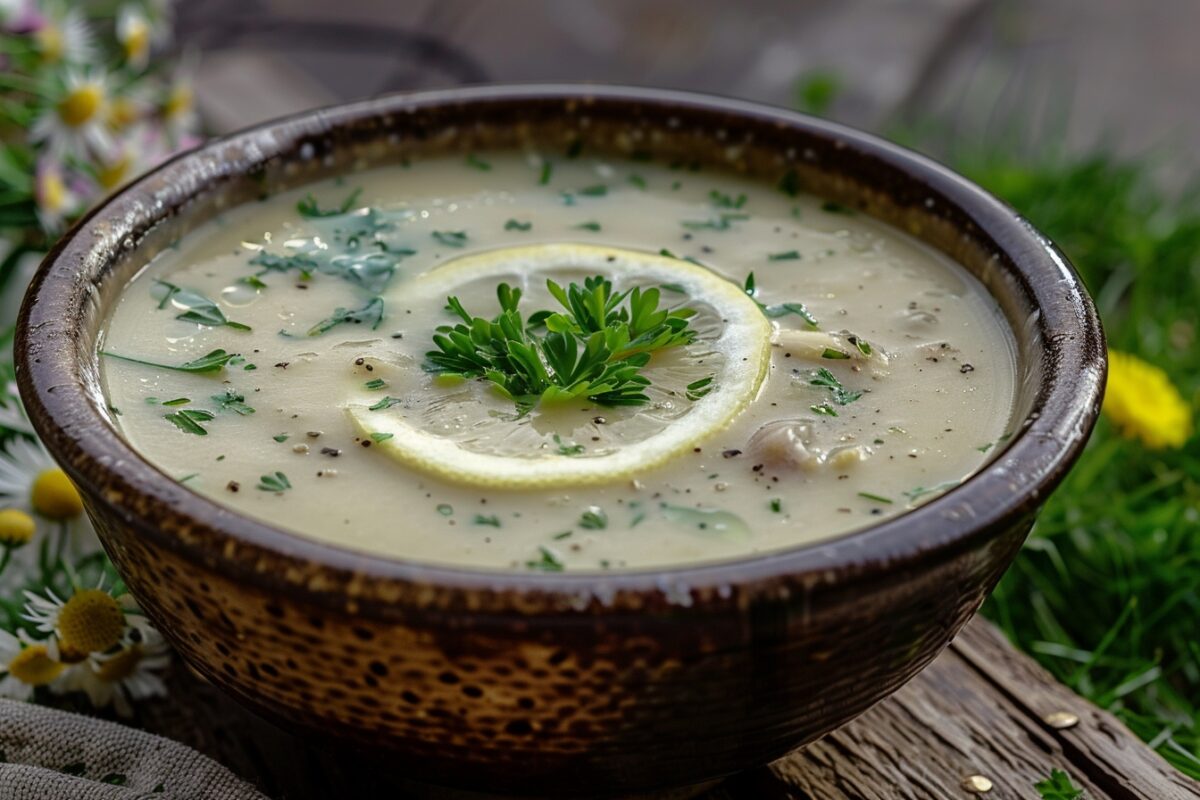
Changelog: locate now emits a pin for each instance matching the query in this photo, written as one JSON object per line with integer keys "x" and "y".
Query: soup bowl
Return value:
{"x": 589, "y": 684}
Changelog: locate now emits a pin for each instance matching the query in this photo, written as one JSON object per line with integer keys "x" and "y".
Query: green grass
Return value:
{"x": 1106, "y": 594}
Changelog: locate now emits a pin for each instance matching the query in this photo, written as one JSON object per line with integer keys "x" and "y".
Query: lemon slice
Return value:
{"x": 469, "y": 435}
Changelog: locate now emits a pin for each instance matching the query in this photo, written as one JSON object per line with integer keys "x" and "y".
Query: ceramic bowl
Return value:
{"x": 532, "y": 683}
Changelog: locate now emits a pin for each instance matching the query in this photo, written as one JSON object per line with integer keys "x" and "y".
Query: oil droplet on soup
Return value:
{"x": 231, "y": 360}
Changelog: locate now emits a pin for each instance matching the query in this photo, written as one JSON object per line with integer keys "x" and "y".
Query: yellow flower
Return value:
{"x": 89, "y": 621}
{"x": 1143, "y": 403}
{"x": 16, "y": 527}
{"x": 133, "y": 32}
{"x": 54, "y": 496}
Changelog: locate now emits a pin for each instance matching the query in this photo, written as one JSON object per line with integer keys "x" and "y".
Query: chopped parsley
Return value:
{"x": 214, "y": 361}
{"x": 591, "y": 225}
{"x": 547, "y": 171}
{"x": 371, "y": 313}
{"x": 824, "y": 409}
{"x": 722, "y": 200}
{"x": 272, "y": 262}
{"x": 492, "y": 520}
{"x": 381, "y": 437}
{"x": 1058, "y": 787}
{"x": 280, "y": 437}
{"x": 780, "y": 309}
{"x": 594, "y": 519}
{"x": 567, "y": 448}
{"x": 517, "y": 225}
{"x": 232, "y": 400}
{"x": 478, "y": 163}
{"x": 309, "y": 208}
{"x": 786, "y": 255}
{"x": 276, "y": 482}
{"x": 450, "y": 238}
{"x": 548, "y": 561}
{"x": 386, "y": 402}
{"x": 375, "y": 384}
{"x": 200, "y": 309}
{"x": 595, "y": 348}
{"x": 598, "y": 190}
{"x": 722, "y": 222}
{"x": 188, "y": 420}
{"x": 699, "y": 388}
{"x": 835, "y": 355}
{"x": 827, "y": 380}
{"x": 776, "y": 505}
{"x": 876, "y": 498}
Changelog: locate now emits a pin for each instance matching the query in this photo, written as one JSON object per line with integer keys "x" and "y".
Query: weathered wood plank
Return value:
{"x": 976, "y": 711}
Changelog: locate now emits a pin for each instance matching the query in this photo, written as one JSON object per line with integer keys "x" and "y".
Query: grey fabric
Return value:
{"x": 49, "y": 754}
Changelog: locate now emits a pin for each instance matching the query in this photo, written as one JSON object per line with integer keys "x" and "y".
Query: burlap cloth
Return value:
{"x": 47, "y": 754}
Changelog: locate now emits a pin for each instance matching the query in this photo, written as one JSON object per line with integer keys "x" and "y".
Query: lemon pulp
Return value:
{"x": 469, "y": 435}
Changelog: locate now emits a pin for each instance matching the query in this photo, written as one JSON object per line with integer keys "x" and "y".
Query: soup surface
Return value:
{"x": 718, "y": 367}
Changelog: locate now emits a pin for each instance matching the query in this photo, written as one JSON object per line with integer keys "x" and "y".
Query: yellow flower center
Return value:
{"x": 81, "y": 104}
{"x": 178, "y": 102}
{"x": 50, "y": 42}
{"x": 91, "y": 621}
{"x": 16, "y": 527}
{"x": 137, "y": 40}
{"x": 113, "y": 175}
{"x": 122, "y": 112}
{"x": 120, "y": 666}
{"x": 33, "y": 666}
{"x": 52, "y": 192}
{"x": 54, "y": 496}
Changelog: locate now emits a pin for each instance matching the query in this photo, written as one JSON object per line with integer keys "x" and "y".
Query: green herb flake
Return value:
{"x": 824, "y": 409}
{"x": 478, "y": 163}
{"x": 214, "y": 361}
{"x": 188, "y": 420}
{"x": 450, "y": 238}
{"x": 567, "y": 448}
{"x": 593, "y": 519}
{"x": 558, "y": 537}
{"x": 281, "y": 437}
{"x": 875, "y": 498}
{"x": 597, "y": 190}
{"x": 178, "y": 401}
{"x": 371, "y": 313}
{"x": 827, "y": 380}
{"x": 200, "y": 309}
{"x": 492, "y": 521}
{"x": 830, "y": 207}
{"x": 722, "y": 200}
{"x": 592, "y": 226}
{"x": 445, "y": 509}
{"x": 548, "y": 561}
{"x": 786, "y": 255}
{"x": 231, "y": 400}
{"x": 699, "y": 388}
{"x": 638, "y": 181}
{"x": 309, "y": 208}
{"x": 776, "y": 505}
{"x": 834, "y": 355}
{"x": 375, "y": 384}
{"x": 1058, "y": 787}
{"x": 381, "y": 437}
{"x": 517, "y": 225}
{"x": 276, "y": 482}
{"x": 547, "y": 171}
{"x": 789, "y": 183}
{"x": 385, "y": 403}
{"x": 722, "y": 222}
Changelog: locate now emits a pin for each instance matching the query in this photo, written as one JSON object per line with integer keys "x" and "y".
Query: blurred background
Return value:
{"x": 1092, "y": 71}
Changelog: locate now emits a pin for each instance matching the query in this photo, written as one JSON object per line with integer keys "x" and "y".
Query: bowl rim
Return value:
{"x": 1013, "y": 484}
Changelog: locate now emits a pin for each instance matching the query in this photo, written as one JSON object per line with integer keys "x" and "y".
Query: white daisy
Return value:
{"x": 25, "y": 665}
{"x": 135, "y": 35}
{"x": 65, "y": 36}
{"x": 12, "y": 412}
{"x": 121, "y": 677}
{"x": 75, "y": 123}
{"x": 55, "y": 201}
{"x": 90, "y": 621}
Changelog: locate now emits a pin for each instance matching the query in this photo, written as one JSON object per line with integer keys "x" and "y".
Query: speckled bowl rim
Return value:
{"x": 1014, "y": 483}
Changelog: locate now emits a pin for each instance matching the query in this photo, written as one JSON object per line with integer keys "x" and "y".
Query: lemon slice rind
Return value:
{"x": 744, "y": 339}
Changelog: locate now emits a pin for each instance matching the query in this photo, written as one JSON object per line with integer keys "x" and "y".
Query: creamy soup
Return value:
{"x": 697, "y": 366}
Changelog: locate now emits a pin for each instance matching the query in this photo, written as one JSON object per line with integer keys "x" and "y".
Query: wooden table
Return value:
{"x": 981, "y": 715}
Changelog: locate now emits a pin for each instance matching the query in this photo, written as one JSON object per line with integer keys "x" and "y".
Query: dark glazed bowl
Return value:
{"x": 537, "y": 684}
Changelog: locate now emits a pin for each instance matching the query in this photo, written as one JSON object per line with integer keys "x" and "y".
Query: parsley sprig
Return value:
{"x": 594, "y": 349}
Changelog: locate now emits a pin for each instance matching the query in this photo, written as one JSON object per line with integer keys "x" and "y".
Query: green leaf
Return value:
{"x": 786, "y": 255}
{"x": 547, "y": 561}
{"x": 276, "y": 482}
{"x": 478, "y": 163}
{"x": 214, "y": 361}
{"x": 233, "y": 401}
{"x": 1058, "y": 787}
{"x": 450, "y": 238}
{"x": 593, "y": 519}
{"x": 371, "y": 314}
{"x": 308, "y": 206}
{"x": 385, "y": 403}
{"x": 200, "y": 309}
{"x": 827, "y": 380}
{"x": 517, "y": 225}
{"x": 188, "y": 420}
